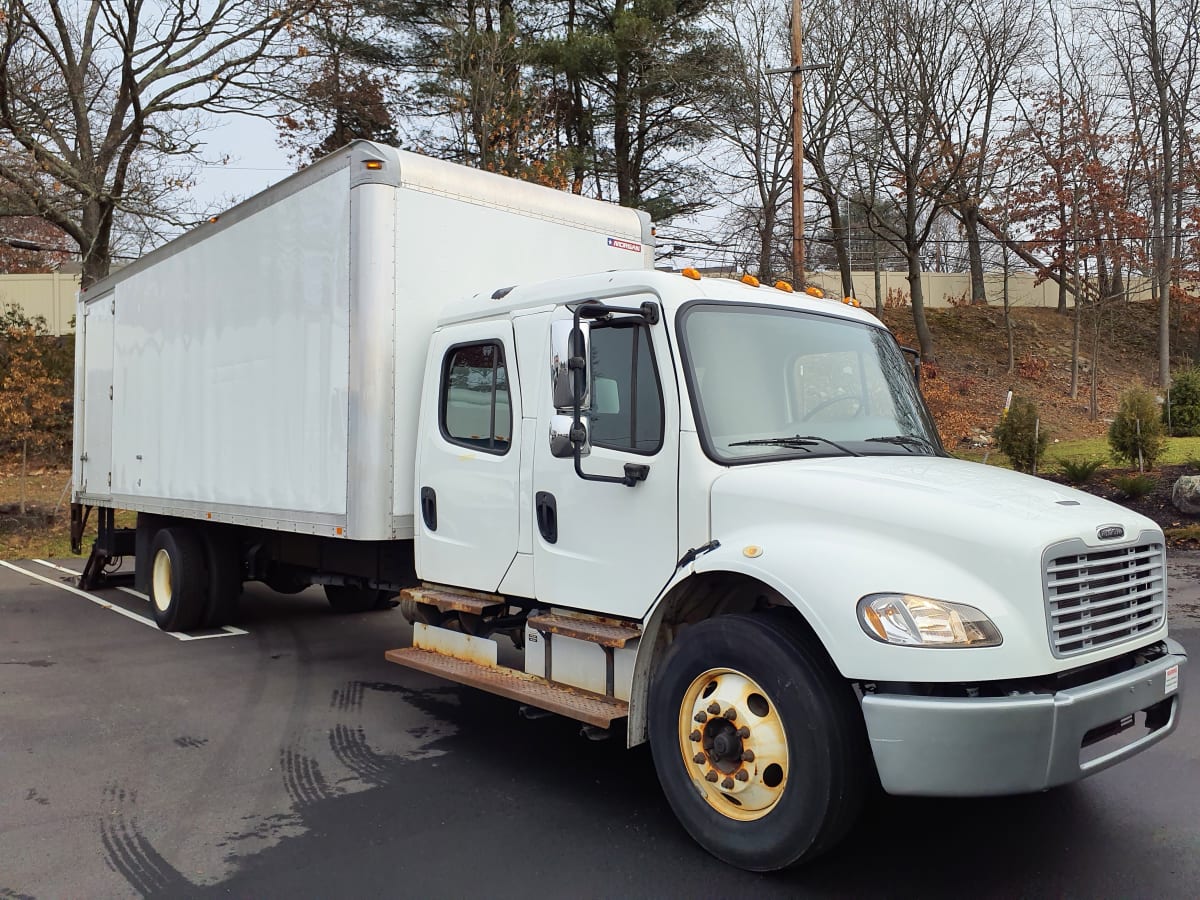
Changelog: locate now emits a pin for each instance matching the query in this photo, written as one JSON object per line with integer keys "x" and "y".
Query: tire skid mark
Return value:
{"x": 131, "y": 855}
{"x": 302, "y": 778}
{"x": 349, "y": 698}
{"x": 350, "y": 747}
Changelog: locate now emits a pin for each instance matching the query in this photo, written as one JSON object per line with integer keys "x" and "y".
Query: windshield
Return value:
{"x": 770, "y": 383}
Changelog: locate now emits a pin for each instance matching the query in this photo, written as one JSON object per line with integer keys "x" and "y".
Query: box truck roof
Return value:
{"x": 371, "y": 163}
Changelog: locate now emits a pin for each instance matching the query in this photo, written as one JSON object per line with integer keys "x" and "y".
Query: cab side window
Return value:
{"x": 627, "y": 405}
{"x": 475, "y": 409}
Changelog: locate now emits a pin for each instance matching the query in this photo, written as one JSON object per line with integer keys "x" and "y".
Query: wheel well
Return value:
{"x": 700, "y": 597}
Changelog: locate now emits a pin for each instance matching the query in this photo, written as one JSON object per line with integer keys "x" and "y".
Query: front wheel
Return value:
{"x": 758, "y": 743}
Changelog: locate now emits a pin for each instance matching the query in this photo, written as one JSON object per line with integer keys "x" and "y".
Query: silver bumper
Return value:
{"x": 986, "y": 746}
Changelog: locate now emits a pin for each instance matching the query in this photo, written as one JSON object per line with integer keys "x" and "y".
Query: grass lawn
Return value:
{"x": 1179, "y": 451}
{"x": 40, "y": 533}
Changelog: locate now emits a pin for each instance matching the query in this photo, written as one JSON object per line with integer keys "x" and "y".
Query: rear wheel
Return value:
{"x": 758, "y": 743}
{"x": 345, "y": 598}
{"x": 225, "y": 579}
{"x": 178, "y": 579}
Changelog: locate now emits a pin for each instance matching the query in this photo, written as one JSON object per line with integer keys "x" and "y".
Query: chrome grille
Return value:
{"x": 1097, "y": 598}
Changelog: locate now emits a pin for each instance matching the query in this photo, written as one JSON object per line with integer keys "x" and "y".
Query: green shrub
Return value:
{"x": 1015, "y": 435}
{"x": 1182, "y": 409}
{"x": 1080, "y": 471}
{"x": 1137, "y": 427}
{"x": 1134, "y": 486}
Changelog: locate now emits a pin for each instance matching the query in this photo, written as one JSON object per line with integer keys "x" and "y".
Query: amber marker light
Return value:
{"x": 785, "y": 287}
{"x": 813, "y": 291}
{"x": 750, "y": 280}
{"x": 373, "y": 164}
{"x": 691, "y": 273}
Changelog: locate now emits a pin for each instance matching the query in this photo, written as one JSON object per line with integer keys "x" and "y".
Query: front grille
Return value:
{"x": 1098, "y": 598}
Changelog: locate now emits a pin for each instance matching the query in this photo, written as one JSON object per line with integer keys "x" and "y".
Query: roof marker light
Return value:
{"x": 750, "y": 280}
{"x": 373, "y": 164}
{"x": 691, "y": 273}
{"x": 785, "y": 287}
{"x": 813, "y": 291}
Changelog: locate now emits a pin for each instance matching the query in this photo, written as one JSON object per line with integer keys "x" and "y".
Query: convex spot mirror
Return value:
{"x": 567, "y": 343}
{"x": 561, "y": 446}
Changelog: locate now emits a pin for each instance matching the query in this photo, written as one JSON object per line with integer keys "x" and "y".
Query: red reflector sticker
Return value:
{"x": 625, "y": 245}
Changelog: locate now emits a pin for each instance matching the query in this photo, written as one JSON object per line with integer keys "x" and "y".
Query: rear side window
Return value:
{"x": 627, "y": 406}
{"x": 475, "y": 407}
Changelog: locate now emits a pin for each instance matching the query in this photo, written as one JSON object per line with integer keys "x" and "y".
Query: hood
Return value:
{"x": 935, "y": 497}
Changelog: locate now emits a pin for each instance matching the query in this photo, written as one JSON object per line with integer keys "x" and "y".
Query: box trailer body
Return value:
{"x": 265, "y": 369}
{"x": 715, "y": 513}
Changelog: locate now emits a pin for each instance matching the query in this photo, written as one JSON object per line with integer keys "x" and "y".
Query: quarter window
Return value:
{"x": 627, "y": 408}
{"x": 475, "y": 408}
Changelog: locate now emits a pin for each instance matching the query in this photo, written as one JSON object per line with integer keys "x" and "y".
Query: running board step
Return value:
{"x": 584, "y": 706}
{"x": 450, "y": 600}
{"x": 606, "y": 634}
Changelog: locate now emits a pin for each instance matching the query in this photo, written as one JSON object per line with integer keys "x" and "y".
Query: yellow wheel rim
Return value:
{"x": 733, "y": 744}
{"x": 161, "y": 580}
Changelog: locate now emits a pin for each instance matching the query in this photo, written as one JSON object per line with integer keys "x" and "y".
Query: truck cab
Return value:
{"x": 721, "y": 512}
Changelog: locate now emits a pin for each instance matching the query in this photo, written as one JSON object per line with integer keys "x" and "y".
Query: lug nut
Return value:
{"x": 714, "y": 708}
{"x": 701, "y": 716}
{"x": 695, "y": 735}
{"x": 711, "y": 776}
{"x": 742, "y": 775}
{"x": 727, "y": 784}
{"x": 731, "y": 714}
{"x": 699, "y": 759}
{"x": 747, "y": 756}
{"x": 743, "y": 732}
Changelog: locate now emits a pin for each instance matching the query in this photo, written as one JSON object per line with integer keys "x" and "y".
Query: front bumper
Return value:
{"x": 987, "y": 746}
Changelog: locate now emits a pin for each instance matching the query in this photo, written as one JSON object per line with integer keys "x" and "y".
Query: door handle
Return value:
{"x": 546, "y": 509}
{"x": 429, "y": 507}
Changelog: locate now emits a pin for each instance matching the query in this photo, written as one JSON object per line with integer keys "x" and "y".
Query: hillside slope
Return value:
{"x": 967, "y": 385}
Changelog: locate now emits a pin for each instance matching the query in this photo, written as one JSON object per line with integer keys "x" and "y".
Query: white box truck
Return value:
{"x": 715, "y": 512}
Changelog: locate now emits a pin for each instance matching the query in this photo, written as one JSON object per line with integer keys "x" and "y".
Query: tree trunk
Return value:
{"x": 1062, "y": 281}
{"x": 96, "y": 222}
{"x": 1008, "y": 327}
{"x": 765, "y": 233}
{"x": 917, "y": 296}
{"x": 970, "y": 220}
{"x": 878, "y": 278}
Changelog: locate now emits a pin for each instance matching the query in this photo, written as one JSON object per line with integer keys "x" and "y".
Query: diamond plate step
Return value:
{"x": 573, "y": 703}
{"x": 606, "y": 634}
{"x": 447, "y": 600}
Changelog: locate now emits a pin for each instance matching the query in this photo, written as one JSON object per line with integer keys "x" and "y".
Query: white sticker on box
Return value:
{"x": 1172, "y": 679}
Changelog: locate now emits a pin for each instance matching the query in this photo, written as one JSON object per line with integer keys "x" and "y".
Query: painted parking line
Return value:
{"x": 226, "y": 631}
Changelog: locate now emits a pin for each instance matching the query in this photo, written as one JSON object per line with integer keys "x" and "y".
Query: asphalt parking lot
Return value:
{"x": 287, "y": 758}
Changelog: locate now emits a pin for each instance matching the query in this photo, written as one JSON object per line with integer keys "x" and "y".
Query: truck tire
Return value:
{"x": 225, "y": 579}
{"x": 347, "y": 599}
{"x": 758, "y": 743}
{"x": 178, "y": 579}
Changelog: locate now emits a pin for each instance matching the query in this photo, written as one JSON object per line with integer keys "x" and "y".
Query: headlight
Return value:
{"x": 921, "y": 622}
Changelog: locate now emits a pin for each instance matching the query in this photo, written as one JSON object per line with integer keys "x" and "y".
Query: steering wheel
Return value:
{"x": 841, "y": 398}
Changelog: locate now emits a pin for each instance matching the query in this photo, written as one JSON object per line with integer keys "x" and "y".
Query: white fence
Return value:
{"x": 939, "y": 288}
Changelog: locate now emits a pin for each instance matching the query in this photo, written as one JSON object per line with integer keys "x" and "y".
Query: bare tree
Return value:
{"x": 1156, "y": 43}
{"x": 910, "y": 84}
{"x": 101, "y": 100}
{"x": 750, "y": 121}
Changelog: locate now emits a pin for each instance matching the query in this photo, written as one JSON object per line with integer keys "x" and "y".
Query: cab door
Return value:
{"x": 469, "y": 457}
{"x": 600, "y": 546}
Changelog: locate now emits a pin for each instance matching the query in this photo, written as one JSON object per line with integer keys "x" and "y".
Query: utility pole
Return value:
{"x": 796, "y": 70}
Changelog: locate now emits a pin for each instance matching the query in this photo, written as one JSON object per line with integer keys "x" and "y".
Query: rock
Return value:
{"x": 1186, "y": 494}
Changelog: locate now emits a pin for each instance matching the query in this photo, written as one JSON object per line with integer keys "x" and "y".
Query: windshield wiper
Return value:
{"x": 907, "y": 441}
{"x": 801, "y": 441}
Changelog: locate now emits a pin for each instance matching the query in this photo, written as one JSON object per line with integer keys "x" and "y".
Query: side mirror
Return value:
{"x": 569, "y": 344}
{"x": 561, "y": 446}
